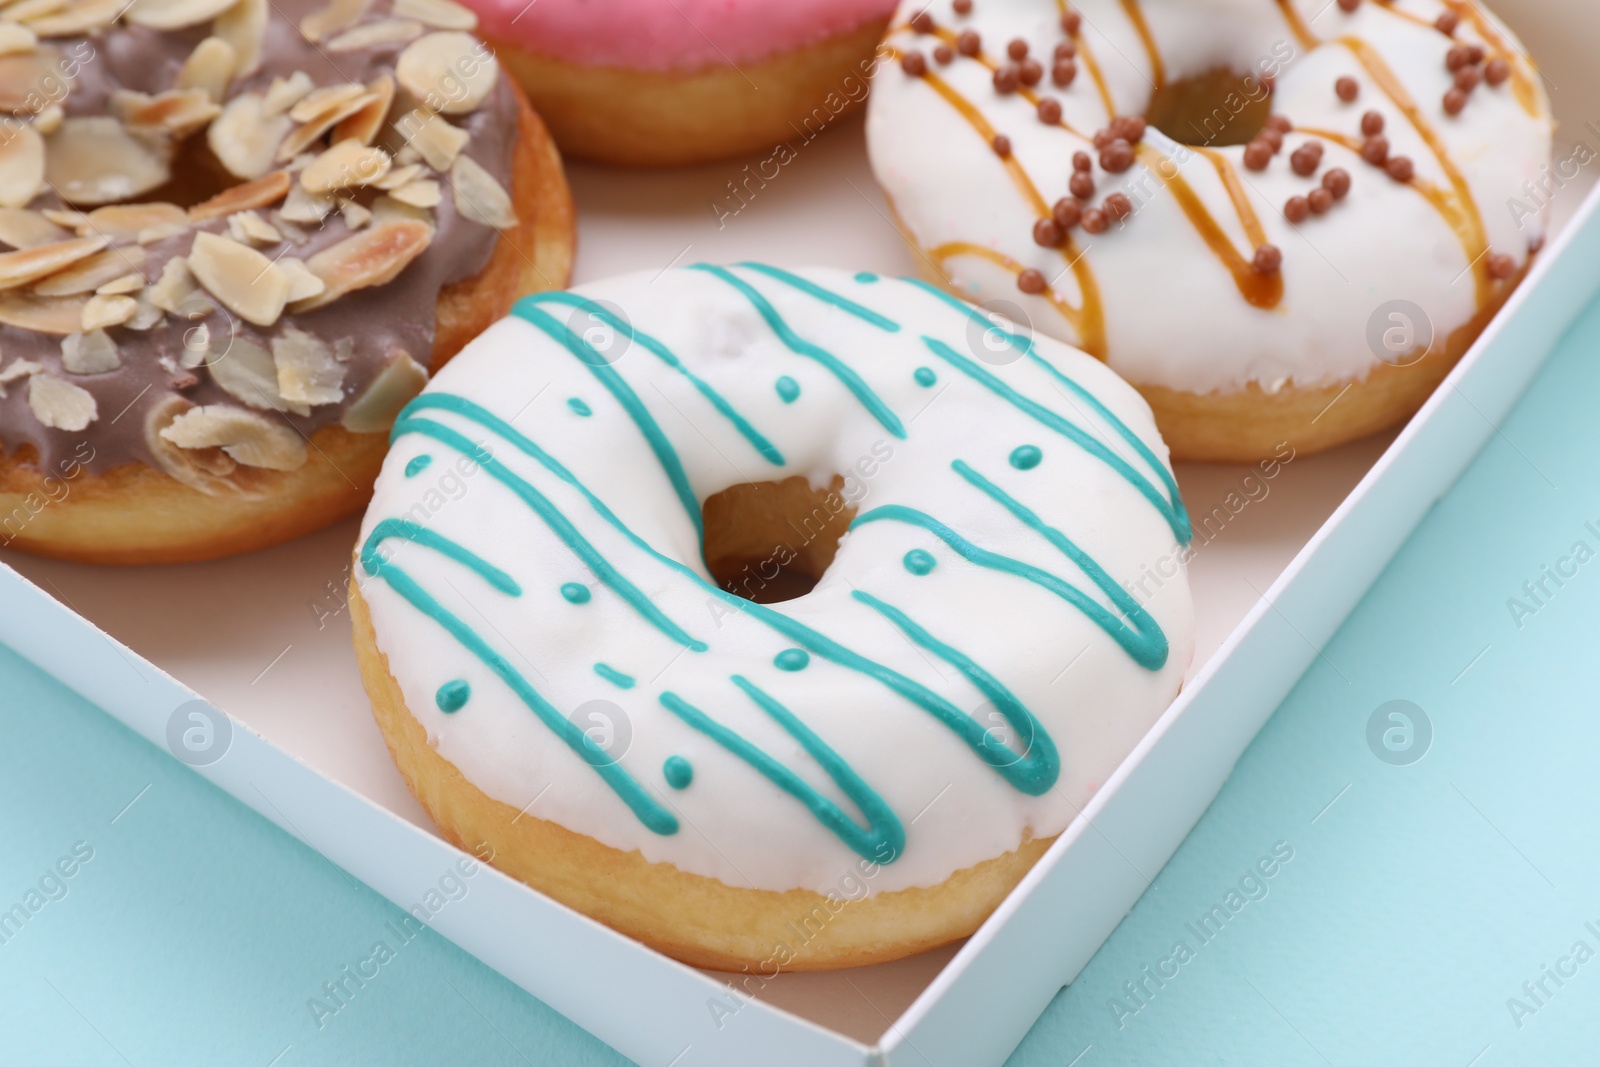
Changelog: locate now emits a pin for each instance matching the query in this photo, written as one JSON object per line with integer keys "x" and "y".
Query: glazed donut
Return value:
{"x": 1282, "y": 220}
{"x": 665, "y": 82}
{"x": 585, "y": 613}
{"x": 242, "y": 234}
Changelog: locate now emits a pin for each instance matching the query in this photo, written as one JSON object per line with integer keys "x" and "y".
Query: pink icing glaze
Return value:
{"x": 670, "y": 34}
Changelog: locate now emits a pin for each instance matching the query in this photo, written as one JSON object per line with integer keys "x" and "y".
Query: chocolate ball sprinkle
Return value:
{"x": 1375, "y": 150}
{"x": 1047, "y": 233}
{"x": 1348, "y": 6}
{"x": 1320, "y": 201}
{"x": 1030, "y": 72}
{"x": 1117, "y": 157}
{"x": 1269, "y": 258}
{"x": 1066, "y": 212}
{"x": 1081, "y": 160}
{"x": 1372, "y": 123}
{"x": 913, "y": 64}
{"x": 1081, "y": 185}
{"x": 1455, "y": 101}
{"x": 1274, "y": 139}
{"x": 1475, "y": 53}
{"x": 1347, "y": 88}
{"x": 1496, "y": 71}
{"x": 1001, "y": 145}
{"x": 1456, "y": 58}
{"x": 1117, "y": 207}
{"x": 1400, "y": 168}
{"x": 1031, "y": 282}
{"x": 1447, "y": 23}
{"x": 1297, "y": 209}
{"x": 1257, "y": 154}
{"x": 1017, "y": 48}
{"x": 1094, "y": 221}
{"x": 1066, "y": 50}
{"x": 1049, "y": 110}
{"x": 1102, "y": 138}
{"x": 922, "y": 22}
{"x": 968, "y": 43}
{"x": 1063, "y": 72}
{"x": 1468, "y": 78}
{"x": 1501, "y": 266}
{"x": 1071, "y": 22}
{"x": 961, "y": 7}
{"x": 943, "y": 55}
{"x": 1306, "y": 159}
{"x": 1130, "y": 128}
{"x": 1006, "y": 80}
{"x": 1280, "y": 123}
{"x": 1337, "y": 182}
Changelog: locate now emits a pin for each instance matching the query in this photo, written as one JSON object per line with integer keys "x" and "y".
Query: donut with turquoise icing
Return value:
{"x": 1282, "y": 220}
{"x": 579, "y": 619}
{"x": 665, "y": 82}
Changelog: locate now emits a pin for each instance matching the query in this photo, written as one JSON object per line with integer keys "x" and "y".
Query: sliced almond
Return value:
{"x": 87, "y": 275}
{"x": 263, "y": 192}
{"x": 147, "y": 315}
{"x": 178, "y": 112}
{"x": 478, "y": 197}
{"x": 347, "y": 164}
{"x": 440, "y": 14}
{"x": 77, "y": 19}
{"x": 305, "y": 207}
{"x": 22, "y": 163}
{"x": 89, "y": 353}
{"x": 319, "y": 102}
{"x": 174, "y": 286}
{"x": 331, "y": 19}
{"x": 424, "y": 193}
{"x": 387, "y": 209}
{"x": 246, "y": 372}
{"x": 304, "y": 136}
{"x": 95, "y": 160}
{"x": 246, "y": 282}
{"x": 15, "y": 38}
{"x": 65, "y": 217}
{"x": 376, "y": 35}
{"x": 400, "y": 176}
{"x": 125, "y": 222}
{"x": 372, "y": 257}
{"x": 452, "y": 73}
{"x": 22, "y": 74}
{"x": 61, "y": 405}
{"x": 434, "y": 138}
{"x": 247, "y": 227}
{"x": 19, "y": 368}
{"x": 26, "y": 310}
{"x": 122, "y": 284}
{"x": 244, "y": 138}
{"x": 103, "y": 311}
{"x": 284, "y": 93}
{"x": 50, "y": 119}
{"x": 363, "y": 125}
{"x": 21, "y": 228}
{"x": 246, "y": 437}
{"x": 209, "y": 68}
{"x": 355, "y": 216}
{"x": 394, "y": 387}
{"x": 244, "y": 27}
{"x": 30, "y": 10}
{"x": 203, "y": 469}
{"x": 308, "y": 373}
{"x": 161, "y": 232}
{"x": 303, "y": 285}
{"x": 174, "y": 14}
{"x": 30, "y": 264}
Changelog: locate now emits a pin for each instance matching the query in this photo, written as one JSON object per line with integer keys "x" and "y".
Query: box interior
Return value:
{"x": 266, "y": 638}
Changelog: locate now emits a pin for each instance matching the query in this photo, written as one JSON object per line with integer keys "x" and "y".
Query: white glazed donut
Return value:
{"x": 1236, "y": 347}
{"x": 1004, "y": 621}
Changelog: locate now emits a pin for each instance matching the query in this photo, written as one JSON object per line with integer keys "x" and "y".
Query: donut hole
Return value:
{"x": 772, "y": 541}
{"x": 1210, "y": 110}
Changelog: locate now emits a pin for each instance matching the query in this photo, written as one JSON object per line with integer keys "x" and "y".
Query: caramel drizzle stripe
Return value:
{"x": 1259, "y": 290}
{"x": 1158, "y": 69}
{"x": 1092, "y": 65}
{"x": 1465, "y": 219}
{"x": 1237, "y": 193}
{"x": 1088, "y": 322}
{"x": 999, "y": 259}
{"x": 1298, "y": 26}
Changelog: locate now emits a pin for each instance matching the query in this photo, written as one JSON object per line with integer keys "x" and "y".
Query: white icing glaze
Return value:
{"x": 1090, "y": 695}
{"x": 1174, "y": 315}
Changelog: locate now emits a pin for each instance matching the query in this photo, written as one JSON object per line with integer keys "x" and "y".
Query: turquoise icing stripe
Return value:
{"x": 826, "y": 295}
{"x": 883, "y": 835}
{"x": 1038, "y": 761}
{"x": 1144, "y": 640}
{"x": 1032, "y": 779}
{"x": 653, "y": 815}
{"x": 799, "y": 345}
{"x": 614, "y": 676}
{"x": 768, "y": 450}
{"x": 407, "y": 530}
{"x": 548, "y": 512}
{"x": 1170, "y": 506}
{"x": 666, "y": 455}
{"x": 1021, "y": 342}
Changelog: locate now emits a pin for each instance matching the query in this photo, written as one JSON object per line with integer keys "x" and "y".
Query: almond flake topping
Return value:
{"x": 95, "y": 160}
{"x": 245, "y": 371}
{"x": 61, "y": 405}
{"x": 16, "y": 38}
{"x": 345, "y": 165}
{"x": 308, "y": 373}
{"x": 245, "y": 436}
{"x": 391, "y": 390}
{"x": 372, "y": 257}
{"x": 244, "y": 27}
{"x": 263, "y": 192}
{"x": 363, "y": 125}
{"x": 209, "y": 68}
{"x": 22, "y": 162}
{"x": 26, "y": 310}
{"x": 125, "y": 222}
{"x": 478, "y": 197}
{"x": 246, "y": 282}
{"x": 88, "y": 274}
{"x": 30, "y": 264}
{"x": 434, "y": 139}
{"x": 246, "y": 139}
{"x": 21, "y": 228}
{"x": 89, "y": 353}
{"x": 451, "y": 73}
{"x": 103, "y": 311}
{"x": 376, "y": 34}
{"x": 440, "y": 14}
{"x": 331, "y": 19}
{"x": 174, "y": 14}
{"x": 284, "y": 93}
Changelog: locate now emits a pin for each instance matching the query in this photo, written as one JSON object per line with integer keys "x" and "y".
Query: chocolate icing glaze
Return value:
{"x": 374, "y": 322}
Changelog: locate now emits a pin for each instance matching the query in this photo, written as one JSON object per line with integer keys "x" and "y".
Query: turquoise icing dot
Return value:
{"x": 679, "y": 772}
{"x": 920, "y": 561}
{"x": 579, "y": 406}
{"x": 792, "y": 659}
{"x": 418, "y": 465}
{"x": 788, "y": 389}
{"x": 614, "y": 676}
{"x": 452, "y": 696}
{"x": 575, "y": 593}
{"x": 925, "y": 376}
{"x": 1026, "y": 457}
{"x": 866, "y": 277}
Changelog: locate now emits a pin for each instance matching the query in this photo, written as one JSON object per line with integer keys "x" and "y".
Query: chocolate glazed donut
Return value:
{"x": 241, "y": 236}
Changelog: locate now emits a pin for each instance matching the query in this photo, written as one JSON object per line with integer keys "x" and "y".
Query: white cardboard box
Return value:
{"x": 265, "y": 638}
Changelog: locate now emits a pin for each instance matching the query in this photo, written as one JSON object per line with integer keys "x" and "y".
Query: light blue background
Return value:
{"x": 1419, "y": 899}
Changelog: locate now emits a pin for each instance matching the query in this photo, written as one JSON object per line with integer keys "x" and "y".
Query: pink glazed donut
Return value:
{"x": 666, "y": 82}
